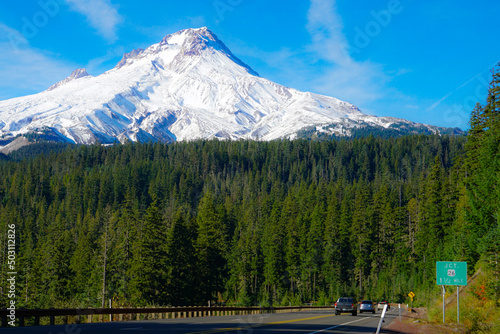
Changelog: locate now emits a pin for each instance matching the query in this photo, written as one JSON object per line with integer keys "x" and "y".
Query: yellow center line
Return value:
{"x": 260, "y": 325}
{"x": 295, "y": 320}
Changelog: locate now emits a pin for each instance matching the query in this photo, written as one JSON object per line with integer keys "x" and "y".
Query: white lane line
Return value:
{"x": 347, "y": 323}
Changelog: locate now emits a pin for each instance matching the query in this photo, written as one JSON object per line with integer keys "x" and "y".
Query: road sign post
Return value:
{"x": 411, "y": 295}
{"x": 444, "y": 291}
{"x": 451, "y": 273}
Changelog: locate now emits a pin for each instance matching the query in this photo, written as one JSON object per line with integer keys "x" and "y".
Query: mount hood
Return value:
{"x": 188, "y": 86}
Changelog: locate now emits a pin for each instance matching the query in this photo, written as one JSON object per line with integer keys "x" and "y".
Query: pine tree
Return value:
{"x": 211, "y": 248}
{"x": 181, "y": 265}
{"x": 362, "y": 235}
{"x": 273, "y": 244}
{"x": 149, "y": 276}
{"x": 483, "y": 179}
{"x": 315, "y": 248}
{"x": 83, "y": 262}
{"x": 483, "y": 164}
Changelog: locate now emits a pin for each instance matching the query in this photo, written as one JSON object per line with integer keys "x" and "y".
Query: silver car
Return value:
{"x": 366, "y": 306}
{"x": 380, "y": 305}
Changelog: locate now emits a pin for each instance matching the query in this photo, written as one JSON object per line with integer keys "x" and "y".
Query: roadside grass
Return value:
{"x": 479, "y": 312}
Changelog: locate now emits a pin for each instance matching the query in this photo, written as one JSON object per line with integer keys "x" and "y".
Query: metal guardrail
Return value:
{"x": 89, "y": 315}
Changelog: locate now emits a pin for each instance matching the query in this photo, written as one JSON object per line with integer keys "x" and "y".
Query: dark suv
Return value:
{"x": 346, "y": 305}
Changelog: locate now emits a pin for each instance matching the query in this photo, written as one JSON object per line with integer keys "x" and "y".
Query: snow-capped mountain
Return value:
{"x": 189, "y": 86}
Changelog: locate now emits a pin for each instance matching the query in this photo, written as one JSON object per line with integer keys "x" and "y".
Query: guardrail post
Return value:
{"x": 37, "y": 320}
{"x": 52, "y": 320}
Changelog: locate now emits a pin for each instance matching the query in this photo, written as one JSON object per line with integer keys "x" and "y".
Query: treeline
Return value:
{"x": 252, "y": 222}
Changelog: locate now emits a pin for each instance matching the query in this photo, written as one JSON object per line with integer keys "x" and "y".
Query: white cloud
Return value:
{"x": 325, "y": 27}
{"x": 358, "y": 83}
{"x": 101, "y": 14}
{"x": 367, "y": 84}
{"x": 12, "y": 36}
{"x": 345, "y": 78}
{"x": 23, "y": 68}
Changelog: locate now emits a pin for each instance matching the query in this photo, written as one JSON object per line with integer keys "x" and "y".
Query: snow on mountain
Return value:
{"x": 189, "y": 86}
{"x": 77, "y": 74}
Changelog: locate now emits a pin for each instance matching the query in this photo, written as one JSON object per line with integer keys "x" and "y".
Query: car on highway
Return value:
{"x": 366, "y": 306}
{"x": 380, "y": 305}
{"x": 346, "y": 305}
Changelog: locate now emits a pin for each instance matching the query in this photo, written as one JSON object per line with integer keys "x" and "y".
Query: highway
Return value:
{"x": 310, "y": 322}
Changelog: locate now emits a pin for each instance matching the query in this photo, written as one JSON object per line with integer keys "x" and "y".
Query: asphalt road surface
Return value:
{"x": 310, "y": 322}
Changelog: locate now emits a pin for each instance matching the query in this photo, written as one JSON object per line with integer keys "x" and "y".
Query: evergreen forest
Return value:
{"x": 251, "y": 223}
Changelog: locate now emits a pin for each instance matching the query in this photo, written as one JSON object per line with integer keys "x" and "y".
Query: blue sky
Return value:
{"x": 426, "y": 61}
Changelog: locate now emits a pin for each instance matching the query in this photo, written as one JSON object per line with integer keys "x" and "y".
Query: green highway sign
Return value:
{"x": 451, "y": 273}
